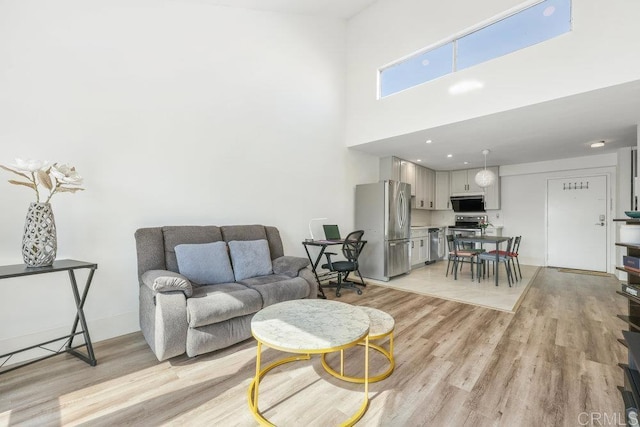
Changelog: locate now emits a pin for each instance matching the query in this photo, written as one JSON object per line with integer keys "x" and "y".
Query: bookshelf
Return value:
{"x": 631, "y": 291}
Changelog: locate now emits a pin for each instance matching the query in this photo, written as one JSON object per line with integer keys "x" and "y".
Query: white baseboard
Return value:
{"x": 99, "y": 329}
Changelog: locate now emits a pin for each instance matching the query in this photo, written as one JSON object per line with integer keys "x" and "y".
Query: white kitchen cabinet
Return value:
{"x": 408, "y": 174}
{"x": 424, "y": 249}
{"x": 425, "y": 189}
{"x": 415, "y": 251}
{"x": 458, "y": 181}
{"x": 419, "y": 246}
{"x": 396, "y": 169}
{"x": 464, "y": 181}
{"x": 420, "y": 201}
{"x": 472, "y": 187}
{"x": 442, "y": 190}
{"x": 429, "y": 189}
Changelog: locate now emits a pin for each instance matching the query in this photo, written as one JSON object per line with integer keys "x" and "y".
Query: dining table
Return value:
{"x": 495, "y": 240}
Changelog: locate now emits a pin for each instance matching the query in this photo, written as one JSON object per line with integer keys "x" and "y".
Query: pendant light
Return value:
{"x": 485, "y": 177}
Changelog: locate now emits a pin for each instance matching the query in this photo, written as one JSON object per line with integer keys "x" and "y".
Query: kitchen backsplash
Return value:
{"x": 421, "y": 217}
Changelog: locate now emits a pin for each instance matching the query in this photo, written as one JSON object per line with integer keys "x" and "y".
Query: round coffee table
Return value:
{"x": 308, "y": 327}
{"x": 381, "y": 325}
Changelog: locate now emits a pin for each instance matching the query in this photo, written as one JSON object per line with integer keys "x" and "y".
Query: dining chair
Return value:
{"x": 461, "y": 255}
{"x": 503, "y": 256}
{"x": 513, "y": 255}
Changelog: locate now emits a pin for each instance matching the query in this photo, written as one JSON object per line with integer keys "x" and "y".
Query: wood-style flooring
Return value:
{"x": 552, "y": 363}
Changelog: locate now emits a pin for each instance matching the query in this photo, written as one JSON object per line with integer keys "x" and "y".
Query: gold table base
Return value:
{"x": 372, "y": 379}
{"x": 253, "y": 391}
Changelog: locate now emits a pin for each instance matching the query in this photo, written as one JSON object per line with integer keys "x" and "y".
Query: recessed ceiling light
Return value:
{"x": 597, "y": 144}
{"x": 466, "y": 163}
{"x": 428, "y": 141}
{"x": 449, "y": 155}
{"x": 419, "y": 160}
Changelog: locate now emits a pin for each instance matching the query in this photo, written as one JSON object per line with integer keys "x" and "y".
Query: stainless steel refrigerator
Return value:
{"x": 383, "y": 211}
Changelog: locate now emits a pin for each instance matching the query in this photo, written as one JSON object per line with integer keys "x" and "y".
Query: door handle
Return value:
{"x": 600, "y": 224}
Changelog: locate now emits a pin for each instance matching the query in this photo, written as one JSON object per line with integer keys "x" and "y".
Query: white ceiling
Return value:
{"x": 343, "y": 9}
{"x": 557, "y": 129}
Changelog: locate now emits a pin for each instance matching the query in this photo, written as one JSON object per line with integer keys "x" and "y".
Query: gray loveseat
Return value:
{"x": 179, "y": 315}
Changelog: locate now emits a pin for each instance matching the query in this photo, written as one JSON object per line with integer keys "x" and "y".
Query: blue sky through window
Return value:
{"x": 543, "y": 21}
{"x": 417, "y": 69}
{"x": 536, "y": 24}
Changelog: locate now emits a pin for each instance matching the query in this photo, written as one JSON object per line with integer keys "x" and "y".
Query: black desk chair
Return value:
{"x": 351, "y": 249}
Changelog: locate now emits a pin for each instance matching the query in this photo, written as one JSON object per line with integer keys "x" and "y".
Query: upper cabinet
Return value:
{"x": 443, "y": 190}
{"x": 408, "y": 174}
{"x": 425, "y": 189}
{"x": 432, "y": 190}
{"x": 463, "y": 181}
{"x": 395, "y": 169}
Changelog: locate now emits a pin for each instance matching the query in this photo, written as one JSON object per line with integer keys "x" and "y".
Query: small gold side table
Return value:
{"x": 308, "y": 327}
{"x": 381, "y": 326}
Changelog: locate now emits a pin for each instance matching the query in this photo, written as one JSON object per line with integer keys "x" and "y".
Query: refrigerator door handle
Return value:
{"x": 401, "y": 209}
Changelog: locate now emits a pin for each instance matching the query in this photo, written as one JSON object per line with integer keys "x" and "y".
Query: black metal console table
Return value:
{"x": 69, "y": 265}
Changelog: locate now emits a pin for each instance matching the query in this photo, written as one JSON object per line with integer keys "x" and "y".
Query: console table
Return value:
{"x": 69, "y": 265}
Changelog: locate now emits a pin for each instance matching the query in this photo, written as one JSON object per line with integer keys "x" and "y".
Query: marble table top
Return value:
{"x": 310, "y": 326}
{"x": 381, "y": 323}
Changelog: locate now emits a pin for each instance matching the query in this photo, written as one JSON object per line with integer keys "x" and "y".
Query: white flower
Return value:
{"x": 29, "y": 165}
{"x": 56, "y": 178}
{"x": 65, "y": 174}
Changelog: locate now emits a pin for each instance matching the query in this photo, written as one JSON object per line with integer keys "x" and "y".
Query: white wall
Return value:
{"x": 524, "y": 195}
{"x": 175, "y": 113}
{"x": 600, "y": 51}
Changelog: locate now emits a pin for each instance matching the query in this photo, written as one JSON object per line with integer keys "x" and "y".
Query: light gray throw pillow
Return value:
{"x": 251, "y": 258}
{"x": 205, "y": 263}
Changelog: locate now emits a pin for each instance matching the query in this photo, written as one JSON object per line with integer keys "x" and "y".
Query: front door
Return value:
{"x": 577, "y": 223}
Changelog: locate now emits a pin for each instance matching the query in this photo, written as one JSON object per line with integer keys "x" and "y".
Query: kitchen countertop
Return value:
{"x": 418, "y": 227}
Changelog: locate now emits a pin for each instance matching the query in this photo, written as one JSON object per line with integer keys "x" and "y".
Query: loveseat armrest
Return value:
{"x": 167, "y": 281}
{"x": 289, "y": 265}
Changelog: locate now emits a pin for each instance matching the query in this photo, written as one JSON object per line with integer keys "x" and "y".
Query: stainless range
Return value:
{"x": 467, "y": 226}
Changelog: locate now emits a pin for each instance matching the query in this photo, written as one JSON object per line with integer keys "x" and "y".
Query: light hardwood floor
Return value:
{"x": 456, "y": 365}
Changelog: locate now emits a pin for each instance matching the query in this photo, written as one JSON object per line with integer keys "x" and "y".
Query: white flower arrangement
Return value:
{"x": 56, "y": 178}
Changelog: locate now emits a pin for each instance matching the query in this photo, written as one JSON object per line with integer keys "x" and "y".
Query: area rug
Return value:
{"x": 587, "y": 272}
{"x": 431, "y": 280}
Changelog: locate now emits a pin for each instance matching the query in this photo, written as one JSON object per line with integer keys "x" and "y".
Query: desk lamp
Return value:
{"x": 310, "y": 222}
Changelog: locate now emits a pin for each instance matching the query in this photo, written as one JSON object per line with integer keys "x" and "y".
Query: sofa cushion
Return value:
{"x": 217, "y": 303}
{"x": 243, "y": 232}
{"x": 176, "y": 235}
{"x": 250, "y": 258}
{"x": 206, "y": 263}
{"x": 276, "y": 288}
{"x": 289, "y": 265}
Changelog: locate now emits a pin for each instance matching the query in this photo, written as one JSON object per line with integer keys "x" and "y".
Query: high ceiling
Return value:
{"x": 557, "y": 129}
{"x": 334, "y": 8}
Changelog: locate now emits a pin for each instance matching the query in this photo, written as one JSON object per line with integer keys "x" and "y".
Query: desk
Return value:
{"x": 322, "y": 244}
{"x": 69, "y": 265}
{"x": 306, "y": 327}
{"x": 487, "y": 239}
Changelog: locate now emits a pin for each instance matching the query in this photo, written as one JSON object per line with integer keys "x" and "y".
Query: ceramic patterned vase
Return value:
{"x": 39, "y": 243}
